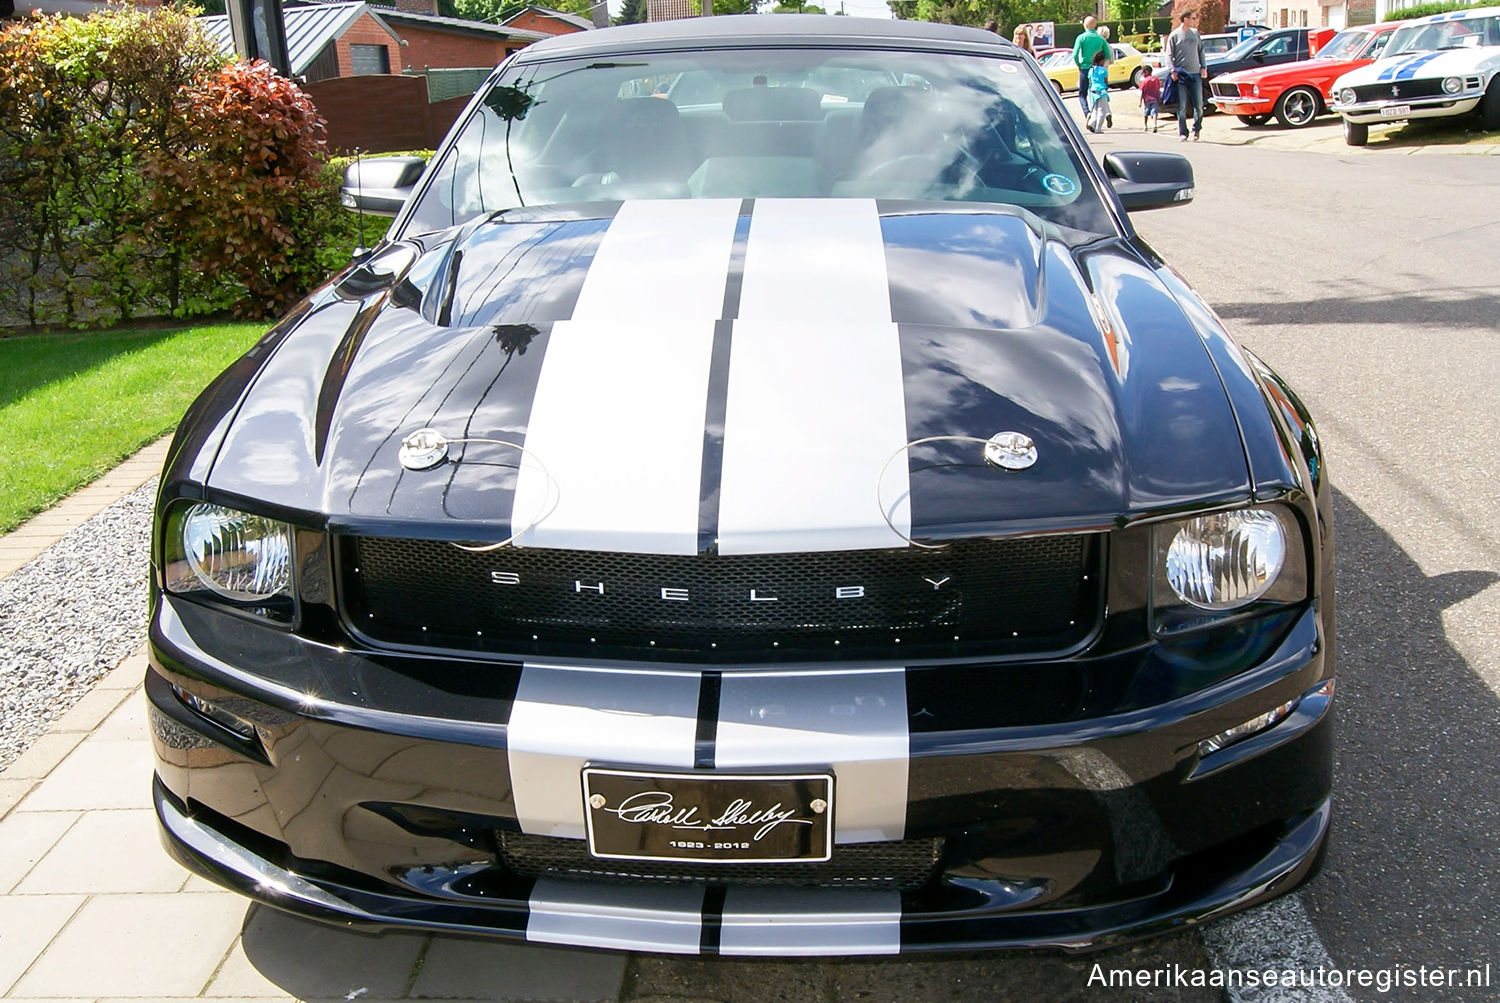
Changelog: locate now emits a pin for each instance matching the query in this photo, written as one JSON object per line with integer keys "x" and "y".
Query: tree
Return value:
{"x": 797, "y": 8}
{"x": 584, "y": 8}
{"x": 1211, "y": 14}
{"x": 632, "y": 12}
{"x": 491, "y": 11}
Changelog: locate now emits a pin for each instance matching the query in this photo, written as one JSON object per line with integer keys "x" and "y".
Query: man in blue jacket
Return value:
{"x": 1185, "y": 59}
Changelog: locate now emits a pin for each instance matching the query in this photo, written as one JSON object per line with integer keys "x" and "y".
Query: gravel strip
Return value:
{"x": 70, "y": 616}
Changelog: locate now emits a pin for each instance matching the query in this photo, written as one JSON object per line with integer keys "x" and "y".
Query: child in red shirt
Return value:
{"x": 1151, "y": 102}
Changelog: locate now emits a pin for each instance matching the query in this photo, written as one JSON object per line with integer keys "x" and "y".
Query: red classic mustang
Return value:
{"x": 1297, "y": 93}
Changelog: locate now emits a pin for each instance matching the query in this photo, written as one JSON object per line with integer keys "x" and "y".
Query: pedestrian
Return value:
{"x": 1099, "y": 116}
{"x": 1151, "y": 103}
{"x": 992, "y": 26}
{"x": 1109, "y": 57}
{"x": 1022, "y": 38}
{"x": 1189, "y": 71}
{"x": 1085, "y": 48}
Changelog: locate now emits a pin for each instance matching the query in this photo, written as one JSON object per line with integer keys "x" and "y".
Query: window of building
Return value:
{"x": 369, "y": 59}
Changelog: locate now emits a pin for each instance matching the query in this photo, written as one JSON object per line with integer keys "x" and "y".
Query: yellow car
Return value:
{"x": 1125, "y": 71}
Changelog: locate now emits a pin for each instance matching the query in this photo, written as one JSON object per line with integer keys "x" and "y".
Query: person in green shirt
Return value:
{"x": 1084, "y": 49}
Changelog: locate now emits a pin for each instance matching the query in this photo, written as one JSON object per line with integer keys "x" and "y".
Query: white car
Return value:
{"x": 1435, "y": 67}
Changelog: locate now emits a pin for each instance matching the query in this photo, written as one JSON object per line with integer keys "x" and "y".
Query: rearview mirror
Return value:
{"x": 1150, "y": 180}
{"x": 380, "y": 185}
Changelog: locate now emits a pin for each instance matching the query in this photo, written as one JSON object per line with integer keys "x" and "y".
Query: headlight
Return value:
{"x": 1226, "y": 560}
{"x": 1452, "y": 85}
{"x": 235, "y": 555}
{"x": 1255, "y": 91}
{"x": 1225, "y": 563}
{"x": 1346, "y": 96}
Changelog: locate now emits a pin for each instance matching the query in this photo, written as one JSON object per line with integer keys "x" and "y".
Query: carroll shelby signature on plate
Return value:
{"x": 657, "y": 808}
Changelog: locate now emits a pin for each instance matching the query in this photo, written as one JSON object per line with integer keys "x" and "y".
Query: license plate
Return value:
{"x": 1395, "y": 110}
{"x": 709, "y": 817}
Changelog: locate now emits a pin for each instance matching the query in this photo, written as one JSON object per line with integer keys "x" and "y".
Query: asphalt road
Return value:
{"x": 1373, "y": 285}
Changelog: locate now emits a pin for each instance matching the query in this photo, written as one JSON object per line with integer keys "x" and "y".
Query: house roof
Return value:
{"x": 459, "y": 25}
{"x": 308, "y": 29}
{"x": 577, "y": 20}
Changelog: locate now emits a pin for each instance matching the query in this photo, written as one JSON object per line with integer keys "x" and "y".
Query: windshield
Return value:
{"x": 1468, "y": 33}
{"x": 1243, "y": 49}
{"x": 1062, "y": 57}
{"x": 784, "y": 123}
{"x": 1344, "y": 45}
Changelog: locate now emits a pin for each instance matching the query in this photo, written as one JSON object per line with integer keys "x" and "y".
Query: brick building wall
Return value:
{"x": 375, "y": 114}
{"x": 430, "y": 49}
{"x": 1294, "y": 14}
{"x": 530, "y": 20}
{"x": 367, "y": 31}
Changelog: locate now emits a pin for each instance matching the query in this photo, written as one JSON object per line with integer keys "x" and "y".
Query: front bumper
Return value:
{"x": 1369, "y": 113}
{"x": 332, "y": 802}
{"x": 1245, "y": 106}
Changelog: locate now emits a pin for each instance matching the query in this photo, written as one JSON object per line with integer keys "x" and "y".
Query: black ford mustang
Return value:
{"x": 761, "y": 498}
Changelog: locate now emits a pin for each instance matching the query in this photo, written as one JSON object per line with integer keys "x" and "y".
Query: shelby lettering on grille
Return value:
{"x": 710, "y": 818}
{"x": 1001, "y": 596}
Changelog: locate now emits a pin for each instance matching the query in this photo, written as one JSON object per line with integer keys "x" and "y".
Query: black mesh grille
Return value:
{"x": 1404, "y": 89}
{"x": 903, "y": 866}
{"x": 1225, "y": 90}
{"x": 995, "y": 596}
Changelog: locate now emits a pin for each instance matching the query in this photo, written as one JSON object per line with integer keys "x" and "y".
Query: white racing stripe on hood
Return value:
{"x": 617, "y": 419}
{"x": 816, "y": 403}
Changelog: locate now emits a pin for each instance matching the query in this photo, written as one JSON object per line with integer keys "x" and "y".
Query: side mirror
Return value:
{"x": 380, "y": 185}
{"x": 1150, "y": 180}
{"x": 1258, "y": 56}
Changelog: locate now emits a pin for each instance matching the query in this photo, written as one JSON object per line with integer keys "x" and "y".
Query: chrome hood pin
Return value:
{"x": 1010, "y": 451}
{"x": 423, "y": 449}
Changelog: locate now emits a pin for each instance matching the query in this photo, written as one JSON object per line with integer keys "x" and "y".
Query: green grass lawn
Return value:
{"x": 74, "y": 405}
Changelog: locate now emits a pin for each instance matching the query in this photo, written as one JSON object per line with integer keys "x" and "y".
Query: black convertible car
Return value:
{"x": 761, "y": 497}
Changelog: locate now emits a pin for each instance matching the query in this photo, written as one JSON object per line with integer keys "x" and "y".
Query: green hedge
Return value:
{"x": 1121, "y": 30}
{"x": 142, "y": 175}
{"x": 1428, "y": 9}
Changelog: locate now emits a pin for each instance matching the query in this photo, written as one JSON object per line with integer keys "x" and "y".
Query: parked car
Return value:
{"x": 760, "y": 527}
{"x": 1434, "y": 67}
{"x": 1271, "y": 48}
{"x": 1297, "y": 93}
{"x": 1124, "y": 71}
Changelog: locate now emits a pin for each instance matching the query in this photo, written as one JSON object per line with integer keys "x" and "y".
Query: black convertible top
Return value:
{"x": 784, "y": 29}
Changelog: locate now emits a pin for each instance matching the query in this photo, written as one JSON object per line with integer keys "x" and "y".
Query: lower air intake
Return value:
{"x": 903, "y": 866}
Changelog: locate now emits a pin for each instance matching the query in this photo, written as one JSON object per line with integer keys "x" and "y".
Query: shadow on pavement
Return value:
{"x": 1409, "y": 877}
{"x": 1466, "y": 307}
{"x": 1027, "y": 977}
{"x": 316, "y": 962}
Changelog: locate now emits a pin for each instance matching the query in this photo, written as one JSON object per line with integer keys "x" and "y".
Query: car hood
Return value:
{"x": 1423, "y": 65}
{"x": 772, "y": 375}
